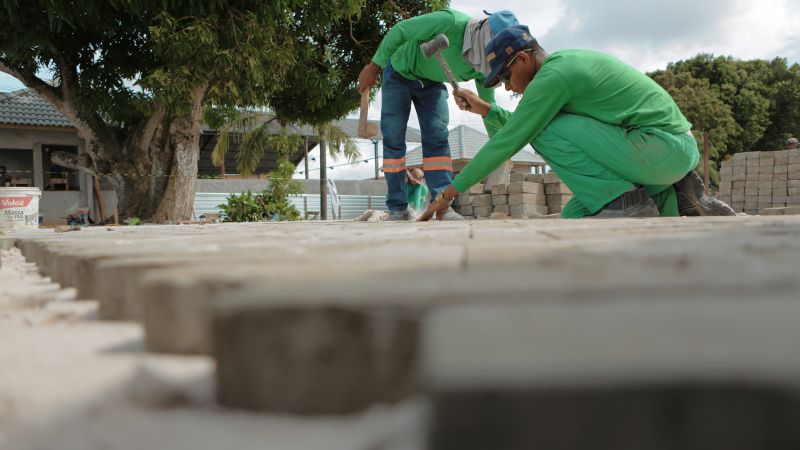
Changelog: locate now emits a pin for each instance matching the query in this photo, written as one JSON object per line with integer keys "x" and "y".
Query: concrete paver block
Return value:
{"x": 524, "y": 187}
{"x": 482, "y": 211}
{"x": 624, "y": 375}
{"x": 557, "y": 188}
{"x": 501, "y": 209}
{"x": 531, "y": 199}
{"x": 500, "y": 189}
{"x": 498, "y": 200}
{"x": 476, "y": 189}
{"x": 482, "y": 200}
{"x": 551, "y": 177}
{"x": 315, "y": 360}
{"x": 534, "y": 178}
{"x": 527, "y": 208}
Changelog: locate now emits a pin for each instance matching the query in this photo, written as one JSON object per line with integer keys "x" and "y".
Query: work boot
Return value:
{"x": 404, "y": 215}
{"x": 451, "y": 214}
{"x": 635, "y": 203}
{"x": 693, "y": 201}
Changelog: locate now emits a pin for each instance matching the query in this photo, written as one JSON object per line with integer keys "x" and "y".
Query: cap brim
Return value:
{"x": 492, "y": 80}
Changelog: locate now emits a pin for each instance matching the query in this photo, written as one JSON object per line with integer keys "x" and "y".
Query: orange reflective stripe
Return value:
{"x": 444, "y": 159}
{"x": 394, "y": 165}
{"x": 438, "y": 163}
{"x": 450, "y": 168}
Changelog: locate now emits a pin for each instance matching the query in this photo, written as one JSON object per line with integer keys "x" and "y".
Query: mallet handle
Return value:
{"x": 449, "y": 74}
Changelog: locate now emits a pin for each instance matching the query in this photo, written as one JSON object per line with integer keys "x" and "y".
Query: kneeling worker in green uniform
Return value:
{"x": 612, "y": 134}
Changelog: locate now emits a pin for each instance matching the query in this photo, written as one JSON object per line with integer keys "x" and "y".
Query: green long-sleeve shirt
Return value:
{"x": 401, "y": 45}
{"x": 579, "y": 82}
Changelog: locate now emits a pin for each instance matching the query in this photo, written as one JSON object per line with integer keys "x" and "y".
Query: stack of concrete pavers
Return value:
{"x": 522, "y": 197}
{"x": 558, "y": 194}
{"x": 524, "y": 334}
{"x": 754, "y": 181}
{"x": 526, "y": 198}
{"x": 463, "y": 203}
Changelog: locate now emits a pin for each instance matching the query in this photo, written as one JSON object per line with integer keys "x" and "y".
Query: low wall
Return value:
{"x": 54, "y": 206}
{"x": 343, "y": 187}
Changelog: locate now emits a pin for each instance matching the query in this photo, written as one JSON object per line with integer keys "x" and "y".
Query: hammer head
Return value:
{"x": 436, "y": 44}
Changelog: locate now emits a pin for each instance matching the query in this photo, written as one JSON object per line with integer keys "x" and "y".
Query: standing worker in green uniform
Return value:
{"x": 613, "y": 135}
{"x": 409, "y": 77}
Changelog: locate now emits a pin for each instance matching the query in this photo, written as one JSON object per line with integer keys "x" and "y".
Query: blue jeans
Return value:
{"x": 430, "y": 101}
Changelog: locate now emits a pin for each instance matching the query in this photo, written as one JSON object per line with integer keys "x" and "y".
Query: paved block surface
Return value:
{"x": 330, "y": 318}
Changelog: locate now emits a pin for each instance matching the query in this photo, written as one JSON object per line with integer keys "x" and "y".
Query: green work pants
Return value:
{"x": 599, "y": 162}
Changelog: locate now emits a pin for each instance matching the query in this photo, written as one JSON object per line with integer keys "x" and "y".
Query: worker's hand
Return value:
{"x": 469, "y": 101}
{"x": 439, "y": 207}
{"x": 368, "y": 76}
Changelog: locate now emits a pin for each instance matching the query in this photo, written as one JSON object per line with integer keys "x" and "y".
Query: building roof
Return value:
{"x": 464, "y": 145}
{"x": 25, "y": 107}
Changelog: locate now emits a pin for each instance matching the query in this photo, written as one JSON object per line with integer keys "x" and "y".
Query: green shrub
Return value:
{"x": 249, "y": 207}
{"x": 242, "y": 208}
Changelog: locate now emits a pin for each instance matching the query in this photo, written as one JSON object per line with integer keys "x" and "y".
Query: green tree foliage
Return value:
{"x": 702, "y": 105}
{"x": 763, "y": 97}
{"x": 322, "y": 86}
{"x": 133, "y": 76}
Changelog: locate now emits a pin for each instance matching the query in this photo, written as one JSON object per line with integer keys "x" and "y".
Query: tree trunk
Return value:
{"x": 153, "y": 169}
{"x": 184, "y": 139}
{"x": 140, "y": 169}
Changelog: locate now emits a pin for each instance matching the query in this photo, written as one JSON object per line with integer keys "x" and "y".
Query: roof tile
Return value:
{"x": 25, "y": 107}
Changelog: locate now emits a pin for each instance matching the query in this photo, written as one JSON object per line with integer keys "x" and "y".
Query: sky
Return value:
{"x": 646, "y": 34}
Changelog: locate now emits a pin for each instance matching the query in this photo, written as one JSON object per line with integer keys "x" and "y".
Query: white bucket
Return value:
{"x": 19, "y": 208}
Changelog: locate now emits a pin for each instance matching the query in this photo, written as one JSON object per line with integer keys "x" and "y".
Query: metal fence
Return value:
{"x": 308, "y": 204}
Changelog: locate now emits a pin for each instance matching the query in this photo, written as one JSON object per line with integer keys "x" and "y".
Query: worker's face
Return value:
{"x": 520, "y": 73}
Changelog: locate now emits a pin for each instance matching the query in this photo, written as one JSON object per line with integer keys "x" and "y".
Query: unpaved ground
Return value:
{"x": 70, "y": 382}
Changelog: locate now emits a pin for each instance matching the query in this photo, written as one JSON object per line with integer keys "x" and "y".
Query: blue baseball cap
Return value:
{"x": 501, "y": 20}
{"x": 503, "y": 46}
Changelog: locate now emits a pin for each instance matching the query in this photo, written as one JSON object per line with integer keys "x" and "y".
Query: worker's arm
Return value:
{"x": 421, "y": 28}
{"x": 545, "y": 96}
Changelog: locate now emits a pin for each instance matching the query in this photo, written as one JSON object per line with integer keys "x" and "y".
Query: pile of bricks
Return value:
{"x": 558, "y": 194}
{"x": 526, "y": 195}
{"x": 754, "y": 181}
